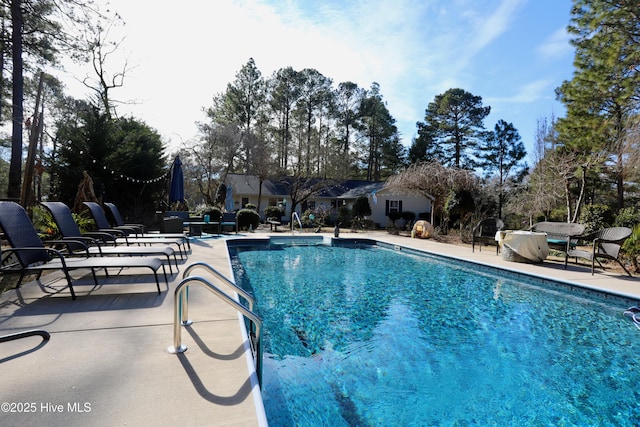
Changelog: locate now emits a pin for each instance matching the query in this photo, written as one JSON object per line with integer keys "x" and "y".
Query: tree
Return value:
{"x": 501, "y": 154}
{"x": 315, "y": 91}
{"x": 605, "y": 90}
{"x": 111, "y": 151}
{"x": 348, "y": 100}
{"x": 15, "y": 167}
{"x": 37, "y": 36}
{"x": 286, "y": 90}
{"x": 213, "y": 157}
{"x": 455, "y": 122}
{"x": 378, "y": 126}
{"x": 240, "y": 105}
{"x": 436, "y": 180}
{"x": 424, "y": 147}
{"x": 99, "y": 49}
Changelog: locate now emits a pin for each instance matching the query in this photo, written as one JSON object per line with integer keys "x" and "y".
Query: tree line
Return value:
{"x": 298, "y": 123}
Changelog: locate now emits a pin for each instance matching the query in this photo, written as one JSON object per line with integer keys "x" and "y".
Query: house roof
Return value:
{"x": 348, "y": 189}
{"x": 362, "y": 189}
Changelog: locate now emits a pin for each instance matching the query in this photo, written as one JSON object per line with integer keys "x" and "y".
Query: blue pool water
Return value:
{"x": 371, "y": 336}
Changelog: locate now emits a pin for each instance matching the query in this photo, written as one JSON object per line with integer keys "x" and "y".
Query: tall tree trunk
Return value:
{"x": 26, "y": 197}
{"x": 15, "y": 167}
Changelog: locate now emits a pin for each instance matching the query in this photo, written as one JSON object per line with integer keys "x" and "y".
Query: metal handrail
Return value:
{"x": 295, "y": 215}
{"x": 181, "y": 303}
{"x": 244, "y": 294}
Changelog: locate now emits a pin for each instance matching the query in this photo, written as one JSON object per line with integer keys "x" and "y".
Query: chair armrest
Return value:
{"x": 56, "y": 253}
{"x": 67, "y": 243}
{"x": 100, "y": 236}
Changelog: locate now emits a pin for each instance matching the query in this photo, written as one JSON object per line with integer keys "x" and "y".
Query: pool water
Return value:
{"x": 371, "y": 336}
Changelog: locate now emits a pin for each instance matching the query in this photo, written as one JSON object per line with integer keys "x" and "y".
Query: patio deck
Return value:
{"x": 106, "y": 362}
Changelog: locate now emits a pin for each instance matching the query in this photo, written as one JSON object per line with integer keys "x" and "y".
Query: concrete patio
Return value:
{"x": 107, "y": 362}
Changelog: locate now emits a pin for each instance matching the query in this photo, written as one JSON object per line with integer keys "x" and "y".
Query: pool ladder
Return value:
{"x": 181, "y": 311}
{"x": 297, "y": 217}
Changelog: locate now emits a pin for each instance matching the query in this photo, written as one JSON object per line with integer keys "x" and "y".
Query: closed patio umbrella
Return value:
{"x": 228, "y": 203}
{"x": 176, "y": 190}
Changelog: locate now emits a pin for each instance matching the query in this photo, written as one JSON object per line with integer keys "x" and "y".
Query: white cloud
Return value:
{"x": 526, "y": 94}
{"x": 556, "y": 45}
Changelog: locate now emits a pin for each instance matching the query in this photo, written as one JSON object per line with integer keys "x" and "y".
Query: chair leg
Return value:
{"x": 164, "y": 271}
{"x": 70, "y": 284}
{"x": 155, "y": 274}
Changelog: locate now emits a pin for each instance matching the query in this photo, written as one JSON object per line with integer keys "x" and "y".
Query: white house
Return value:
{"x": 245, "y": 189}
{"x": 382, "y": 201}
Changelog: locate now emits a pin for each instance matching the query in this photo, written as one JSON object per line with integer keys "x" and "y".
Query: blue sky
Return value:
{"x": 512, "y": 53}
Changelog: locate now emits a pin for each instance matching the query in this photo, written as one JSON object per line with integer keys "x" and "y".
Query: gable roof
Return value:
{"x": 348, "y": 189}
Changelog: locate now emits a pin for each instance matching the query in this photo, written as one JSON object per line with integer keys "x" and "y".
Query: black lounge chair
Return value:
{"x": 606, "y": 244}
{"x": 485, "y": 233}
{"x": 229, "y": 219}
{"x": 69, "y": 230}
{"x": 118, "y": 222}
{"x": 102, "y": 223}
{"x": 29, "y": 255}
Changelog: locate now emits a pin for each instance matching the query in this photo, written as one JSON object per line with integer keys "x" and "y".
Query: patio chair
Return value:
{"x": 93, "y": 242}
{"x": 561, "y": 236}
{"x": 118, "y": 222}
{"x": 606, "y": 244}
{"x": 485, "y": 233}
{"x": 102, "y": 224}
{"x": 29, "y": 255}
{"x": 116, "y": 219}
{"x": 229, "y": 219}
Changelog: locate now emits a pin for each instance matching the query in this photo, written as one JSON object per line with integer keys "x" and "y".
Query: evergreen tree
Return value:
{"x": 501, "y": 155}
{"x": 604, "y": 93}
{"x": 455, "y": 122}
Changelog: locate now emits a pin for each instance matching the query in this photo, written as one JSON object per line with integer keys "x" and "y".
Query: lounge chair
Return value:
{"x": 485, "y": 233}
{"x": 119, "y": 222}
{"x": 92, "y": 241}
{"x": 102, "y": 224}
{"x": 229, "y": 219}
{"x": 606, "y": 244}
{"x": 29, "y": 255}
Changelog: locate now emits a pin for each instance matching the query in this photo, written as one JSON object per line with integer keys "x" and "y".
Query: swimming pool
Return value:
{"x": 368, "y": 335}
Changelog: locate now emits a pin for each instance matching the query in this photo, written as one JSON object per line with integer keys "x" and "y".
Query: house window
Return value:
{"x": 311, "y": 205}
{"x": 245, "y": 201}
{"x": 393, "y": 206}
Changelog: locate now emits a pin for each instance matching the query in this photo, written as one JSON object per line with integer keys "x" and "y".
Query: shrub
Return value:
{"x": 361, "y": 207}
{"x": 214, "y": 212}
{"x": 425, "y": 216}
{"x": 631, "y": 248}
{"x": 251, "y": 206}
{"x": 311, "y": 219}
{"x": 595, "y": 217}
{"x": 248, "y": 218}
{"x": 273, "y": 212}
{"x": 627, "y": 217}
{"x": 344, "y": 216}
{"x": 408, "y": 216}
{"x": 394, "y": 216}
{"x": 43, "y": 222}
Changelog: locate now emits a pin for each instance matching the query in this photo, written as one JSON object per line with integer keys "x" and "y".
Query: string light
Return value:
{"x": 122, "y": 176}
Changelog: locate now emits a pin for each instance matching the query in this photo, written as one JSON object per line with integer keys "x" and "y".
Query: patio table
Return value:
{"x": 523, "y": 246}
